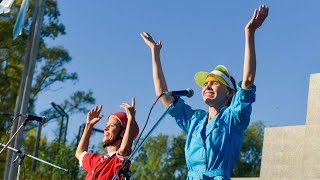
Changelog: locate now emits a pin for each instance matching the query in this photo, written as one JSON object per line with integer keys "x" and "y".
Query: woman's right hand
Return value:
{"x": 150, "y": 42}
{"x": 260, "y": 14}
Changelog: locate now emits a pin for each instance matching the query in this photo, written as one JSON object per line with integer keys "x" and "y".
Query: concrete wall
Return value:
{"x": 293, "y": 152}
{"x": 282, "y": 153}
{"x": 311, "y": 154}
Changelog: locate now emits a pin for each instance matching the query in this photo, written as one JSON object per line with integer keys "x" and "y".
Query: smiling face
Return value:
{"x": 111, "y": 130}
{"x": 215, "y": 93}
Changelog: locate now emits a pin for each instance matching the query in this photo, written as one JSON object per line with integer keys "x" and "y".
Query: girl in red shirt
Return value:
{"x": 119, "y": 133}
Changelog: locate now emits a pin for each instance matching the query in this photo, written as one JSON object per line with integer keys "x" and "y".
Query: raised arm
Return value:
{"x": 92, "y": 118}
{"x": 249, "y": 68}
{"x": 127, "y": 140}
{"x": 159, "y": 80}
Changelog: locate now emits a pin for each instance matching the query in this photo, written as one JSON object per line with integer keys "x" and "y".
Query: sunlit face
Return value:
{"x": 215, "y": 93}
{"x": 111, "y": 130}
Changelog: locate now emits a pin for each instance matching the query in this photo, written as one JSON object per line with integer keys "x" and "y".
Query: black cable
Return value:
{"x": 8, "y": 130}
{"x": 24, "y": 170}
{"x": 147, "y": 121}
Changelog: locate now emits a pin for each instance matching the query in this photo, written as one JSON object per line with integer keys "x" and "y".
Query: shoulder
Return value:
{"x": 241, "y": 90}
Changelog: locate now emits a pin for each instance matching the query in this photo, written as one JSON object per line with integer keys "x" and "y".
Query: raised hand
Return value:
{"x": 92, "y": 118}
{"x": 130, "y": 109}
{"x": 94, "y": 115}
{"x": 150, "y": 42}
{"x": 258, "y": 18}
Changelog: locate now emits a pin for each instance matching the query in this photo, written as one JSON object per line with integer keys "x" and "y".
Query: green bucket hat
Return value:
{"x": 220, "y": 72}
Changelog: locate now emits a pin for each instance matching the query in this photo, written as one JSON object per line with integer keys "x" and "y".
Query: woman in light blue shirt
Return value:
{"x": 214, "y": 138}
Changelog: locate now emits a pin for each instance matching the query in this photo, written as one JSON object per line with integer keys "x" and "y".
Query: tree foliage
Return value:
{"x": 161, "y": 157}
{"x": 50, "y": 69}
{"x": 53, "y": 152}
{"x": 249, "y": 162}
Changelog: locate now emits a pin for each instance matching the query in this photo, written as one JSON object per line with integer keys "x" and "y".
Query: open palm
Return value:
{"x": 258, "y": 18}
{"x": 150, "y": 42}
{"x": 94, "y": 115}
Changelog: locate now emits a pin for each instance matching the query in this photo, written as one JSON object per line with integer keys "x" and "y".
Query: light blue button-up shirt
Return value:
{"x": 212, "y": 149}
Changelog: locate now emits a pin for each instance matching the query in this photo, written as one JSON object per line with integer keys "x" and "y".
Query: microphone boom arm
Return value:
{"x": 15, "y": 134}
{"x": 28, "y": 155}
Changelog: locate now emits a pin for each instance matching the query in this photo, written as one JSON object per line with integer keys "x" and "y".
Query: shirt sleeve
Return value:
{"x": 241, "y": 106}
{"x": 182, "y": 114}
{"x": 81, "y": 157}
{"x": 122, "y": 158}
{"x": 87, "y": 160}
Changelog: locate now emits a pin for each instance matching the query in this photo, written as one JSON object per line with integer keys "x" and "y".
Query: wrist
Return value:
{"x": 249, "y": 31}
{"x": 155, "y": 49}
{"x": 131, "y": 118}
{"x": 89, "y": 125}
{"x": 131, "y": 121}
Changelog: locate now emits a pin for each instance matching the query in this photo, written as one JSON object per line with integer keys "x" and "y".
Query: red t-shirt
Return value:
{"x": 100, "y": 167}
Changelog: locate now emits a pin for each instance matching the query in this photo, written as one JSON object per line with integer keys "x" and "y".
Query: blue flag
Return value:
{"x": 17, "y": 30}
{"x": 5, "y": 6}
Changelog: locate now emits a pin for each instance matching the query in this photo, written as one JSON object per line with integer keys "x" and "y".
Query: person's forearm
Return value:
{"x": 249, "y": 70}
{"x": 127, "y": 140}
{"x": 159, "y": 80}
{"x": 84, "y": 142}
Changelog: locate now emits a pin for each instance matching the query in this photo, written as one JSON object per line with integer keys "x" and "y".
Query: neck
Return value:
{"x": 114, "y": 147}
{"x": 213, "y": 111}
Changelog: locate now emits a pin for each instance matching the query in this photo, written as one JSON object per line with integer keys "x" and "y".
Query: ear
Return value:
{"x": 122, "y": 133}
{"x": 230, "y": 93}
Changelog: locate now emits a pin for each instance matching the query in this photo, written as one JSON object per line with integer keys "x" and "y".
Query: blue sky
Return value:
{"x": 112, "y": 60}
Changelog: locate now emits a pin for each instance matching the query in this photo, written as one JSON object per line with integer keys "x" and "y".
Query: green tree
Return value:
{"x": 50, "y": 69}
{"x": 249, "y": 162}
{"x": 48, "y": 152}
{"x": 161, "y": 157}
{"x": 51, "y": 61}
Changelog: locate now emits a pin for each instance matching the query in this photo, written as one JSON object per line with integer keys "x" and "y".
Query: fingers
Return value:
{"x": 92, "y": 110}
{"x": 147, "y": 37}
{"x": 96, "y": 109}
{"x": 255, "y": 14}
{"x": 143, "y": 36}
{"x": 100, "y": 109}
{"x": 133, "y": 104}
{"x": 260, "y": 7}
{"x": 260, "y": 12}
{"x": 126, "y": 106}
{"x": 266, "y": 11}
{"x": 259, "y": 15}
{"x": 130, "y": 108}
{"x": 100, "y": 116}
{"x": 263, "y": 11}
{"x": 146, "y": 34}
{"x": 94, "y": 115}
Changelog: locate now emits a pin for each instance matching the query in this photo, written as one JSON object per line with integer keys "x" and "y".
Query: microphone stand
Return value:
{"x": 21, "y": 156}
{"x": 15, "y": 134}
{"x": 124, "y": 170}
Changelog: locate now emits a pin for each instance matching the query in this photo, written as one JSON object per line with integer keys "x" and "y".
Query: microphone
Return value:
{"x": 188, "y": 92}
{"x": 42, "y": 119}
